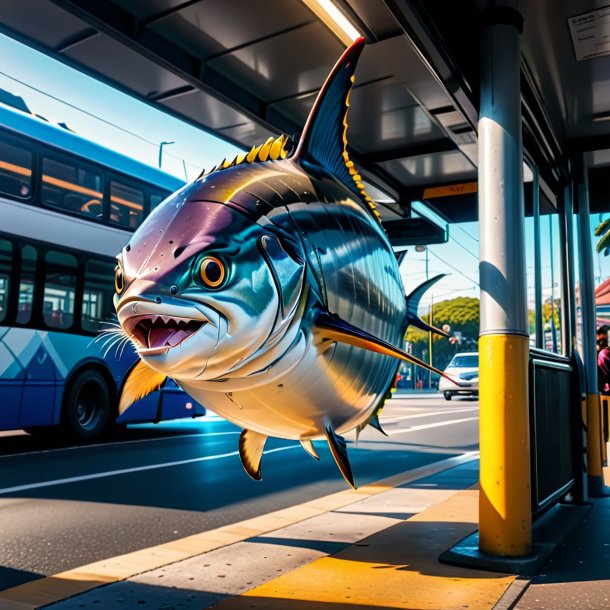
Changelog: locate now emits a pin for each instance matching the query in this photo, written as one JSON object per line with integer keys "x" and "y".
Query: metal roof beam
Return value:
{"x": 121, "y": 25}
{"x": 411, "y": 150}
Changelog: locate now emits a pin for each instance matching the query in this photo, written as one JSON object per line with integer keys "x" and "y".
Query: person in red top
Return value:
{"x": 603, "y": 360}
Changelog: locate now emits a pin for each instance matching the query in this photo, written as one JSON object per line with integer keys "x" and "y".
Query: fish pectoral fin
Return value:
{"x": 308, "y": 446}
{"x": 374, "y": 422}
{"x": 251, "y": 445}
{"x": 140, "y": 381}
{"x": 332, "y": 327}
{"x": 338, "y": 448}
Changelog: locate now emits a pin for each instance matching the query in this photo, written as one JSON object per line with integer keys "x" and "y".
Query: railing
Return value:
{"x": 555, "y": 426}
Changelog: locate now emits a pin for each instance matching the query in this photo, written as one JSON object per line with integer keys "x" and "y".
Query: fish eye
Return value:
{"x": 119, "y": 279}
{"x": 212, "y": 271}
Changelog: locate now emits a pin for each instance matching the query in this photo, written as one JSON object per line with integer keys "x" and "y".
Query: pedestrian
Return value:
{"x": 603, "y": 360}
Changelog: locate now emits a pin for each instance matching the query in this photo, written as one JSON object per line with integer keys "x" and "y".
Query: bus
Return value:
{"x": 67, "y": 207}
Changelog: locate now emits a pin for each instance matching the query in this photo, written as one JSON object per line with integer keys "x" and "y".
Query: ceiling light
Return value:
{"x": 334, "y": 20}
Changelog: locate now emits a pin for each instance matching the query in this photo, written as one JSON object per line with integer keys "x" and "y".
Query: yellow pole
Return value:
{"x": 505, "y": 515}
{"x": 594, "y": 437}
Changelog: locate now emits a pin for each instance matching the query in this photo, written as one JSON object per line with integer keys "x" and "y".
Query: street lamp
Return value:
{"x": 161, "y": 151}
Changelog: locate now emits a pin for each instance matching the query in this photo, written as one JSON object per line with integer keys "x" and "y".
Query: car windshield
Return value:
{"x": 465, "y": 361}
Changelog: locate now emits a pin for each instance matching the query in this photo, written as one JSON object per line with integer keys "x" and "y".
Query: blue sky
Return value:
{"x": 118, "y": 121}
{"x": 111, "y": 118}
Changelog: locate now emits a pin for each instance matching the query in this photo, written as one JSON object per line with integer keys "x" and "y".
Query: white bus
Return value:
{"x": 67, "y": 207}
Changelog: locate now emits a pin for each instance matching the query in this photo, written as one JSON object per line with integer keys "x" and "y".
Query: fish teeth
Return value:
{"x": 166, "y": 319}
{"x": 154, "y": 319}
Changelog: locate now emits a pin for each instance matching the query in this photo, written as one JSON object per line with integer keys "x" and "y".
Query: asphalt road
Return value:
{"x": 65, "y": 506}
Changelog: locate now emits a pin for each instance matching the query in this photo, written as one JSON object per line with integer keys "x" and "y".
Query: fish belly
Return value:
{"x": 327, "y": 386}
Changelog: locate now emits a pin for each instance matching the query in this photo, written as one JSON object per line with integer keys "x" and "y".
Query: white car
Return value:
{"x": 464, "y": 368}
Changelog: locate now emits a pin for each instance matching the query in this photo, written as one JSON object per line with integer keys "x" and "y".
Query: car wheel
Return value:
{"x": 87, "y": 404}
{"x": 447, "y": 395}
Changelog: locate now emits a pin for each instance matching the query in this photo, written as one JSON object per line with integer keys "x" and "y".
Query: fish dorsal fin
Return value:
{"x": 413, "y": 305}
{"x": 324, "y": 139}
{"x": 271, "y": 150}
{"x": 140, "y": 381}
{"x": 251, "y": 445}
{"x": 338, "y": 448}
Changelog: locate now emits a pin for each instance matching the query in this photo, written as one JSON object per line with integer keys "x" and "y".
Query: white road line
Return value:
{"x": 112, "y": 473}
{"x": 424, "y": 414}
{"x": 118, "y": 442}
{"x": 435, "y": 425}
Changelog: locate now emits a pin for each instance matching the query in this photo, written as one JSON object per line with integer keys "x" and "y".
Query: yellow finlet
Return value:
{"x": 271, "y": 150}
{"x": 141, "y": 381}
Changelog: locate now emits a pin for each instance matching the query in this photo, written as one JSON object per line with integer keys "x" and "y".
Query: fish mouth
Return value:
{"x": 156, "y": 334}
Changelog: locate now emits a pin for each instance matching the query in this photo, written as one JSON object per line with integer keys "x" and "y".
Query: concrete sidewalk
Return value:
{"x": 376, "y": 547}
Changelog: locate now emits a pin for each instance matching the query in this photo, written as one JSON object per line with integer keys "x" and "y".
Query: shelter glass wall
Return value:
{"x": 548, "y": 271}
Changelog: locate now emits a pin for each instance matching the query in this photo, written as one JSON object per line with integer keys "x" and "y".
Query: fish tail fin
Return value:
{"x": 413, "y": 305}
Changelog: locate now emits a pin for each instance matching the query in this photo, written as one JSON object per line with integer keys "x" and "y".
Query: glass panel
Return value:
{"x": 577, "y": 284}
{"x": 530, "y": 273}
{"x": 601, "y": 272}
{"x": 6, "y": 257}
{"x": 126, "y": 205}
{"x": 156, "y": 199}
{"x": 59, "y": 290}
{"x": 551, "y": 281}
{"x": 98, "y": 294}
{"x": 72, "y": 188}
{"x": 26, "y": 284}
{"x": 15, "y": 170}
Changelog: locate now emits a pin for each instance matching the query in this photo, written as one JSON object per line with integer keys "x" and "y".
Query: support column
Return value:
{"x": 595, "y": 474}
{"x": 505, "y": 518}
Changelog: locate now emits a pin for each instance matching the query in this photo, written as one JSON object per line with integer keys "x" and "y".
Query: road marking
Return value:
{"x": 435, "y": 425}
{"x": 118, "y": 442}
{"x": 113, "y": 473}
{"x": 424, "y": 414}
{"x": 51, "y": 589}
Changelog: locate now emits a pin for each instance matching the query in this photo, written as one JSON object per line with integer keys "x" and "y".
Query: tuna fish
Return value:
{"x": 268, "y": 290}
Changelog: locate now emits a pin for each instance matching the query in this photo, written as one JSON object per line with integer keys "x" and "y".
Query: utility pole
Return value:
{"x": 161, "y": 151}
{"x": 430, "y": 335}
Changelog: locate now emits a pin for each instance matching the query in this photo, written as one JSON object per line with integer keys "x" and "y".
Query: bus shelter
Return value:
{"x": 496, "y": 111}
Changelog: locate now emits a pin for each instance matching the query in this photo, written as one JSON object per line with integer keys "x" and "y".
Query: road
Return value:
{"x": 65, "y": 506}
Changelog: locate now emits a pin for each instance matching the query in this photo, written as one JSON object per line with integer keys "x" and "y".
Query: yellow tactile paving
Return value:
{"x": 396, "y": 568}
{"x": 37, "y": 593}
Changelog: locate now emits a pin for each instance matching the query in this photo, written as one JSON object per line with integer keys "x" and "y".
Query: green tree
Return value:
{"x": 462, "y": 315}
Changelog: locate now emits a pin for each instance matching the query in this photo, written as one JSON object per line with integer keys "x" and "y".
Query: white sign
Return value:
{"x": 591, "y": 34}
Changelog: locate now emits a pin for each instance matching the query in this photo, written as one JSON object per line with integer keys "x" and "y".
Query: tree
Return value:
{"x": 462, "y": 315}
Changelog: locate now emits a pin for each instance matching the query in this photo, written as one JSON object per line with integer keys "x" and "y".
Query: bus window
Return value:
{"x": 72, "y": 188}
{"x": 6, "y": 257}
{"x": 59, "y": 290}
{"x": 15, "y": 169}
{"x": 98, "y": 294}
{"x": 156, "y": 199}
{"x": 126, "y": 205}
{"x": 26, "y": 284}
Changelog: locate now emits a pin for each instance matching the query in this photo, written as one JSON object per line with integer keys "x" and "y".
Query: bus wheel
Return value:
{"x": 86, "y": 412}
